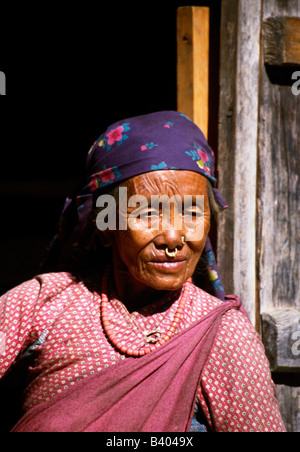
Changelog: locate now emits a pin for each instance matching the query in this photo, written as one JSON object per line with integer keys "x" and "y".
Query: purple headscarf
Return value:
{"x": 157, "y": 141}
{"x": 133, "y": 146}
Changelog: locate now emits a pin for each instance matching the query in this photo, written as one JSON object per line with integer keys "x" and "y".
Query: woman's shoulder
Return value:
{"x": 43, "y": 285}
{"x": 52, "y": 285}
{"x": 55, "y": 279}
{"x": 203, "y": 299}
{"x": 201, "y": 303}
{"x": 207, "y": 302}
{"x": 236, "y": 335}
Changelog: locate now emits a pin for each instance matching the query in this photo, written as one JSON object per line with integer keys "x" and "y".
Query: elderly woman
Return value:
{"x": 132, "y": 331}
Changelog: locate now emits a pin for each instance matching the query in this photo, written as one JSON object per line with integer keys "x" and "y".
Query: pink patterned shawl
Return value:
{"x": 154, "y": 393}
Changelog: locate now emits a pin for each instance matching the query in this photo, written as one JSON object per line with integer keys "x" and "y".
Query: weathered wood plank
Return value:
{"x": 289, "y": 402}
{"x": 278, "y": 197}
{"x": 240, "y": 170}
{"x": 227, "y": 119}
{"x": 246, "y": 154}
{"x": 281, "y": 337}
{"x": 276, "y": 189}
{"x": 278, "y": 193}
{"x": 282, "y": 41}
{"x": 193, "y": 64}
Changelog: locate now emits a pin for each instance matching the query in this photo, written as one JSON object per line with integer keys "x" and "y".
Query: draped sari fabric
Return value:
{"x": 154, "y": 393}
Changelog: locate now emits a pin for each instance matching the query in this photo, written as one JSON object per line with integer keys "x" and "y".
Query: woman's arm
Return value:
{"x": 237, "y": 393}
{"x": 17, "y": 308}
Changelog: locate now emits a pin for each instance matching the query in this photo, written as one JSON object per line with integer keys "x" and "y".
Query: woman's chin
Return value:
{"x": 168, "y": 282}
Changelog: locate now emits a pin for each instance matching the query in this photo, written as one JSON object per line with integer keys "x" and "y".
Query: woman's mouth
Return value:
{"x": 169, "y": 265}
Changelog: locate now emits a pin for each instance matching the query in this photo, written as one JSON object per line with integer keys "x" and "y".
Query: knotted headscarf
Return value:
{"x": 157, "y": 141}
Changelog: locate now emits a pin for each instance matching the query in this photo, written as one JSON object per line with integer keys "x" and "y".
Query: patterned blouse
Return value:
{"x": 236, "y": 392}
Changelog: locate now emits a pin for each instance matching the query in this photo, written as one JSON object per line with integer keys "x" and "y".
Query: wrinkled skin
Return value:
{"x": 142, "y": 270}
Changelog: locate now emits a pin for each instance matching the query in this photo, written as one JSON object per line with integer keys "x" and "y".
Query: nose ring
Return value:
{"x": 171, "y": 253}
{"x": 183, "y": 240}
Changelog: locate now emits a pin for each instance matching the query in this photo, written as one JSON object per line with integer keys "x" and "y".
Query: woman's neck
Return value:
{"x": 134, "y": 295}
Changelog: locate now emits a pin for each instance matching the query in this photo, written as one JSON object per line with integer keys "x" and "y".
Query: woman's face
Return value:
{"x": 139, "y": 252}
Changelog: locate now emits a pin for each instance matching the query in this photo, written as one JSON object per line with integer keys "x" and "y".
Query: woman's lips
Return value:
{"x": 180, "y": 257}
{"x": 169, "y": 265}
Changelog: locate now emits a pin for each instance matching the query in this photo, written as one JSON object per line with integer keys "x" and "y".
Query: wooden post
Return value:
{"x": 227, "y": 119}
{"x": 193, "y": 64}
{"x": 237, "y": 155}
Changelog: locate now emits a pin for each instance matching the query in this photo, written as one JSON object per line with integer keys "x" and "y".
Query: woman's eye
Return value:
{"x": 148, "y": 214}
{"x": 193, "y": 215}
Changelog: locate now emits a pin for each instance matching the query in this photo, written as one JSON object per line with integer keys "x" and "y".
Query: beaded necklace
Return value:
{"x": 148, "y": 347}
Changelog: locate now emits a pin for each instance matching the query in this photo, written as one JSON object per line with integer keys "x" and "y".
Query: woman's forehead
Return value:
{"x": 168, "y": 182}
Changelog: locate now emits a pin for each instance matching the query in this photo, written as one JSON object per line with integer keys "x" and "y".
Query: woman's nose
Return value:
{"x": 170, "y": 238}
{"x": 171, "y": 230}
